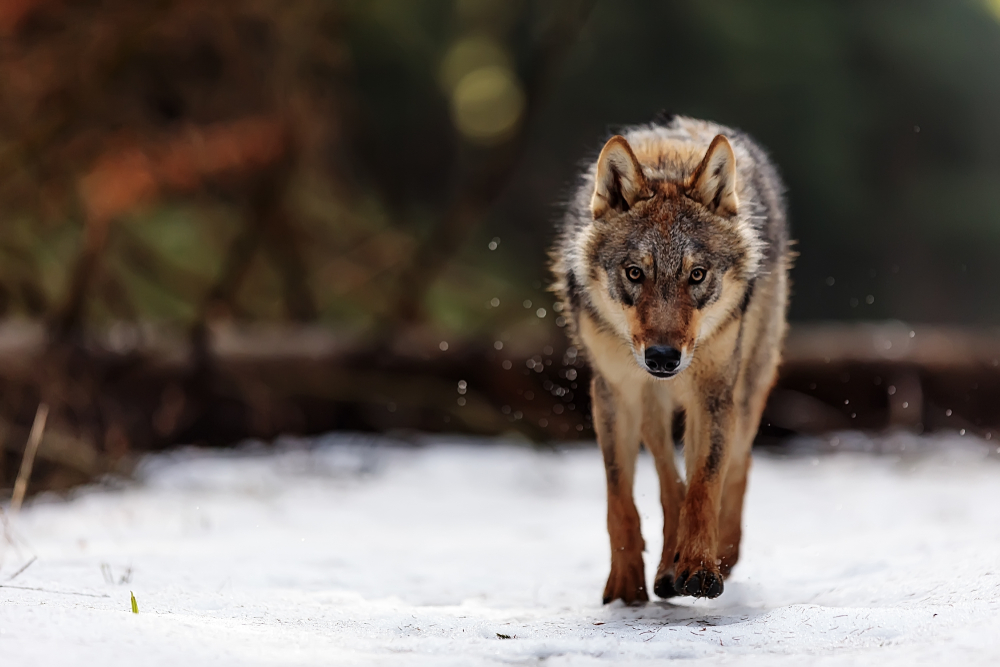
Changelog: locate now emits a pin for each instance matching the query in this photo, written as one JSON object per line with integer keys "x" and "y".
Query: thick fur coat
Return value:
{"x": 672, "y": 264}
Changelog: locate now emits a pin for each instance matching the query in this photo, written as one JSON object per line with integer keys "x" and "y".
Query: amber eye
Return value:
{"x": 634, "y": 273}
{"x": 697, "y": 275}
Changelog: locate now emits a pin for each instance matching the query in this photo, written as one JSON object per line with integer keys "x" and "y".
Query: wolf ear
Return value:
{"x": 713, "y": 183}
{"x": 620, "y": 182}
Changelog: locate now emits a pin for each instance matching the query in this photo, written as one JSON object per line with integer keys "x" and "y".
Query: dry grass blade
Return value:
{"x": 21, "y": 485}
{"x": 22, "y": 568}
{"x": 49, "y": 590}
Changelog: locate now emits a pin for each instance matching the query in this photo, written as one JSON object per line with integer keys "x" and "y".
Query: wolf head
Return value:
{"x": 668, "y": 260}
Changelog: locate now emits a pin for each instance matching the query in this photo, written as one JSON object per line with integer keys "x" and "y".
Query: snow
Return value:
{"x": 355, "y": 551}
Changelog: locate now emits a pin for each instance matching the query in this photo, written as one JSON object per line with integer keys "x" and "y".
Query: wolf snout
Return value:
{"x": 662, "y": 360}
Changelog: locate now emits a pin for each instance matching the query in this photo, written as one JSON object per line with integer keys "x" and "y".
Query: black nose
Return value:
{"x": 662, "y": 359}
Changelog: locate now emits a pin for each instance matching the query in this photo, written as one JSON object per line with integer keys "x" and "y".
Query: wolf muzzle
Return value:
{"x": 662, "y": 361}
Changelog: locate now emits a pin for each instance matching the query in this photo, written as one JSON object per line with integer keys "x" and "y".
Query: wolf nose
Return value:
{"x": 662, "y": 359}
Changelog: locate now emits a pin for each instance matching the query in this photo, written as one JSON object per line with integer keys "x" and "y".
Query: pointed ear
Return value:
{"x": 713, "y": 183}
{"x": 620, "y": 182}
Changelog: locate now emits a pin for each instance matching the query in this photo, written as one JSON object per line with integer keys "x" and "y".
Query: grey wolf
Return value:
{"x": 672, "y": 265}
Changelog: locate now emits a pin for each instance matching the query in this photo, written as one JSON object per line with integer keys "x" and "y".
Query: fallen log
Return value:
{"x": 139, "y": 388}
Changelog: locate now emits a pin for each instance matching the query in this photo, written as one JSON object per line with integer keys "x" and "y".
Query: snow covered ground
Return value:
{"x": 357, "y": 551}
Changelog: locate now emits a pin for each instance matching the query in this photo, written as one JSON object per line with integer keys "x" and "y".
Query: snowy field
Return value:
{"x": 360, "y": 552}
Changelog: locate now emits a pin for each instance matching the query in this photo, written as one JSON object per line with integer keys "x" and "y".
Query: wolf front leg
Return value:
{"x": 707, "y": 449}
{"x": 657, "y": 435}
{"x": 616, "y": 420}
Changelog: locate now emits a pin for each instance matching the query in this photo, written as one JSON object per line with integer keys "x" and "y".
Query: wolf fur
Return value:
{"x": 672, "y": 265}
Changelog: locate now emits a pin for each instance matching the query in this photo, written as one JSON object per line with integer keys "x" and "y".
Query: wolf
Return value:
{"x": 672, "y": 266}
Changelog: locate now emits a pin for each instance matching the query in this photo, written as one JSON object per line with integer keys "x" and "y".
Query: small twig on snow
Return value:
{"x": 21, "y": 485}
{"x": 23, "y": 568}
{"x": 49, "y": 590}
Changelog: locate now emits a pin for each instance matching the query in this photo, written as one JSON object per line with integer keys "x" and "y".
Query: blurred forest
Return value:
{"x": 248, "y": 217}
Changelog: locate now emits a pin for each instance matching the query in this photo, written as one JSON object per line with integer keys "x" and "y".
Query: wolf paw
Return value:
{"x": 664, "y": 586}
{"x": 700, "y": 583}
{"x": 627, "y": 582}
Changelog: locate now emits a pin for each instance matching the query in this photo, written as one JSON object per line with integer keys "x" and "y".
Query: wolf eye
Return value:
{"x": 634, "y": 273}
{"x": 698, "y": 275}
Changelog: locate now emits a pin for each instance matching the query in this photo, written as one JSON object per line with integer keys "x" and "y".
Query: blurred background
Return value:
{"x": 247, "y": 218}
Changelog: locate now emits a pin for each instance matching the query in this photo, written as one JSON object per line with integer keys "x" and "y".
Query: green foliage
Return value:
{"x": 880, "y": 115}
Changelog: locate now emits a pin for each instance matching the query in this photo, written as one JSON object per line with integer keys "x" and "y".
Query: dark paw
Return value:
{"x": 631, "y": 596}
{"x": 701, "y": 584}
{"x": 664, "y": 587}
{"x": 626, "y": 583}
